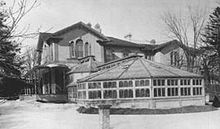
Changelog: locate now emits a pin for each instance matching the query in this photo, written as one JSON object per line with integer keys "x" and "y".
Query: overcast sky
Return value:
{"x": 141, "y": 18}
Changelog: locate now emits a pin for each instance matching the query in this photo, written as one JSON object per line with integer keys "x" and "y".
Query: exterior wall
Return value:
{"x": 63, "y": 53}
{"x": 96, "y": 49}
{"x": 164, "y": 58}
{"x": 115, "y": 52}
{"x": 189, "y": 92}
{"x": 64, "y": 49}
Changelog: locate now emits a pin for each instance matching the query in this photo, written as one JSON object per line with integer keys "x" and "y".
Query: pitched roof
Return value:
{"x": 45, "y": 36}
{"x": 42, "y": 37}
{"x": 138, "y": 67}
{"x": 119, "y": 42}
{"x": 88, "y": 64}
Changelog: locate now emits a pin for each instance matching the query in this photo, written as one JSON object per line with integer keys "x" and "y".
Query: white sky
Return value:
{"x": 141, "y": 18}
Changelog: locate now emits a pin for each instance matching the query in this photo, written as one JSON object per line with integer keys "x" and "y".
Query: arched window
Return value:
{"x": 86, "y": 47}
{"x": 72, "y": 49}
{"x": 79, "y": 48}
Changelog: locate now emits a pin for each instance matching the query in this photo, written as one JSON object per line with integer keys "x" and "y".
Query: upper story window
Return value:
{"x": 72, "y": 49}
{"x": 174, "y": 58}
{"x": 79, "y": 48}
{"x": 86, "y": 47}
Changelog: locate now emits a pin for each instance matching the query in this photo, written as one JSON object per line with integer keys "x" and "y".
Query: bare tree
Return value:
{"x": 29, "y": 59}
{"x": 10, "y": 18}
{"x": 187, "y": 29}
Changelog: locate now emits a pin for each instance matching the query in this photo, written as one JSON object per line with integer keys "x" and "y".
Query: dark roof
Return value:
{"x": 159, "y": 47}
{"x": 123, "y": 43}
{"x": 119, "y": 42}
{"x": 42, "y": 37}
{"x": 45, "y": 36}
{"x": 136, "y": 68}
{"x": 81, "y": 25}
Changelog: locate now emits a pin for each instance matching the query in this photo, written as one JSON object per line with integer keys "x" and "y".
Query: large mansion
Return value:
{"x": 80, "y": 50}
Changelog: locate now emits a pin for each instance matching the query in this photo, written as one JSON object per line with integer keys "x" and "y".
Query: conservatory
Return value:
{"x": 135, "y": 82}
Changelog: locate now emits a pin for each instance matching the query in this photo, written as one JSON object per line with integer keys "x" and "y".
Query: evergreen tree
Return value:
{"x": 212, "y": 40}
{"x": 9, "y": 63}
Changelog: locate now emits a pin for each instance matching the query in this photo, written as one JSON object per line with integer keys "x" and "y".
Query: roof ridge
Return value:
{"x": 97, "y": 73}
{"x": 127, "y": 68}
{"x": 165, "y": 68}
{"x": 145, "y": 67}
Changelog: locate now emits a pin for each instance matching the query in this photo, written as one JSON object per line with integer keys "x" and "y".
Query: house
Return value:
{"x": 76, "y": 51}
{"x": 135, "y": 82}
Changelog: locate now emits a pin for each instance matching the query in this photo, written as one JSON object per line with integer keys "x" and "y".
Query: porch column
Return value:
{"x": 53, "y": 83}
{"x": 104, "y": 116}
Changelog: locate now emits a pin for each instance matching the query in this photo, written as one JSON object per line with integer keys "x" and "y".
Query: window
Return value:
{"x": 109, "y": 85}
{"x": 172, "y": 82}
{"x": 142, "y": 83}
{"x": 94, "y": 85}
{"x": 142, "y": 93}
{"x": 197, "y": 90}
{"x": 72, "y": 49}
{"x": 185, "y": 82}
{"x": 185, "y": 91}
{"x": 125, "y": 83}
{"x": 128, "y": 93}
{"x": 81, "y": 86}
{"x": 79, "y": 48}
{"x": 174, "y": 58}
{"x": 86, "y": 49}
{"x": 159, "y": 92}
{"x": 158, "y": 82}
{"x": 197, "y": 81}
{"x": 82, "y": 94}
{"x": 95, "y": 95}
{"x": 109, "y": 94}
{"x": 172, "y": 91}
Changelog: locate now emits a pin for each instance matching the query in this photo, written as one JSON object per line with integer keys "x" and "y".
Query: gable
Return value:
{"x": 71, "y": 35}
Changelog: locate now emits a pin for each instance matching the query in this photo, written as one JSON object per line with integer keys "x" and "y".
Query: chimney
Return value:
{"x": 89, "y": 24}
{"x": 153, "y": 42}
{"x": 128, "y": 36}
{"x": 98, "y": 28}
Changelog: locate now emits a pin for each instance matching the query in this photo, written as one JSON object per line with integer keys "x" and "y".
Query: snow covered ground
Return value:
{"x": 34, "y": 115}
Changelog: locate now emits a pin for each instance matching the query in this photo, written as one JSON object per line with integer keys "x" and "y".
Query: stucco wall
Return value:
{"x": 64, "y": 49}
{"x": 63, "y": 53}
{"x": 96, "y": 49}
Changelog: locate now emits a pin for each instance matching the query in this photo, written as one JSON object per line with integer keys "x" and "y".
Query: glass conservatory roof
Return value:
{"x": 138, "y": 67}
